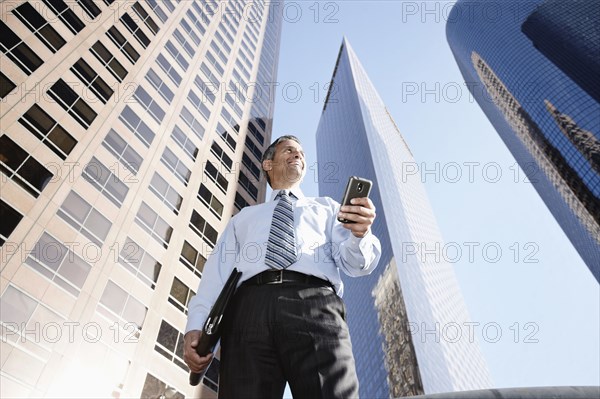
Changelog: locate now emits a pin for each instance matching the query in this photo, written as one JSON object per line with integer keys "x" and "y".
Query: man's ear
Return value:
{"x": 267, "y": 164}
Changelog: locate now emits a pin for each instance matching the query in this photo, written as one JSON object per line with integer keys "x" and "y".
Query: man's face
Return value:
{"x": 288, "y": 165}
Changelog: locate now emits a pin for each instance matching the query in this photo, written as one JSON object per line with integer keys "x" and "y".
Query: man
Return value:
{"x": 286, "y": 321}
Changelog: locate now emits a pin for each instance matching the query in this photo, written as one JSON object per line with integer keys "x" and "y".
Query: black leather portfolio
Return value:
{"x": 212, "y": 327}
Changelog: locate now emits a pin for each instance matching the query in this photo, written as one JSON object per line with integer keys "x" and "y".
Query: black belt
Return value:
{"x": 285, "y": 276}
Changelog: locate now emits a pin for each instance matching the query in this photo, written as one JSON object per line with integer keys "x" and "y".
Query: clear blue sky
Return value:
{"x": 539, "y": 280}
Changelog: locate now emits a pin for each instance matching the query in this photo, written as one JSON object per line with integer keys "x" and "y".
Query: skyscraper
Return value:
{"x": 533, "y": 68}
{"x": 408, "y": 320}
{"x": 131, "y": 132}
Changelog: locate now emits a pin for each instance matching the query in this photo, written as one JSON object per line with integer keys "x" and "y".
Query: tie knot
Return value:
{"x": 283, "y": 193}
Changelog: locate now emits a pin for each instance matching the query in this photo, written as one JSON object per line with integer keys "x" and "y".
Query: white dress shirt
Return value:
{"x": 323, "y": 245}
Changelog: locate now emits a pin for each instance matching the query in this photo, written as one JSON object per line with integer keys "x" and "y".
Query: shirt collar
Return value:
{"x": 296, "y": 192}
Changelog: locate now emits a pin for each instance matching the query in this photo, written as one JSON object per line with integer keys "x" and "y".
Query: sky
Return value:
{"x": 536, "y": 302}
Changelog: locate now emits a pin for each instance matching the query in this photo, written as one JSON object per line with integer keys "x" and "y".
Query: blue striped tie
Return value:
{"x": 281, "y": 247}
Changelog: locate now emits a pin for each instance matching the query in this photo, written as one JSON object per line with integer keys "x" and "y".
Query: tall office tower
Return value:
{"x": 408, "y": 321}
{"x": 131, "y": 132}
{"x": 534, "y": 69}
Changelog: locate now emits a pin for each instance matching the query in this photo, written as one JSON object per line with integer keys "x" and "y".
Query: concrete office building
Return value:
{"x": 408, "y": 321}
{"x": 131, "y": 131}
{"x": 534, "y": 69}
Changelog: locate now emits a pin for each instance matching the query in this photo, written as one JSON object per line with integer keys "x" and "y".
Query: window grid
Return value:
{"x": 135, "y": 30}
{"x": 198, "y": 104}
{"x": 169, "y": 343}
{"x": 19, "y": 166}
{"x": 167, "y": 194}
{"x": 41, "y": 28}
{"x": 180, "y": 295}
{"x": 105, "y": 181}
{"x": 192, "y": 259}
{"x": 140, "y": 263}
{"x": 160, "y": 85}
{"x": 124, "y": 153}
{"x": 117, "y": 305}
{"x": 175, "y": 165}
{"x": 203, "y": 229}
{"x": 169, "y": 69}
{"x": 45, "y": 128}
{"x": 248, "y": 186}
{"x": 84, "y": 218}
{"x": 208, "y": 93}
{"x": 143, "y": 14}
{"x": 211, "y": 171}
{"x": 189, "y": 49}
{"x": 211, "y": 202}
{"x": 177, "y": 56}
{"x": 247, "y": 162}
{"x": 18, "y": 52}
{"x": 10, "y": 220}
{"x": 192, "y": 122}
{"x": 157, "y": 10}
{"x": 154, "y": 225}
{"x": 190, "y": 31}
{"x": 92, "y": 80}
{"x": 184, "y": 142}
{"x": 149, "y": 104}
{"x": 137, "y": 126}
{"x": 226, "y": 136}
{"x": 122, "y": 44}
{"x": 90, "y": 8}
{"x": 52, "y": 259}
{"x": 107, "y": 59}
{"x": 66, "y": 15}
{"x": 221, "y": 156}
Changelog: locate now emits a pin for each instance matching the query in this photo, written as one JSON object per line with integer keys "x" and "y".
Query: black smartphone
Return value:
{"x": 357, "y": 187}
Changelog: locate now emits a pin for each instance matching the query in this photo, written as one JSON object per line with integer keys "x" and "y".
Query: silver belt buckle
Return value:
{"x": 279, "y": 278}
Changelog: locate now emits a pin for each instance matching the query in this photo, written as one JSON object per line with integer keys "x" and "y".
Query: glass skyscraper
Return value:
{"x": 534, "y": 69}
{"x": 408, "y": 321}
{"x": 131, "y": 131}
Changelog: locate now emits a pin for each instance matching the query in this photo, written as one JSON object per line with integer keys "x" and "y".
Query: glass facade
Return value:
{"x": 126, "y": 127}
{"x": 400, "y": 315}
{"x": 534, "y": 69}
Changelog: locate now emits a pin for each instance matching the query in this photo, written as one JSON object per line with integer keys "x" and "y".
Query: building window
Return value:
{"x": 126, "y": 155}
{"x": 117, "y": 305}
{"x": 175, "y": 165}
{"x": 207, "y": 89}
{"x": 256, "y": 133}
{"x": 192, "y": 259}
{"x": 91, "y": 80}
{"x": 188, "y": 29}
{"x": 240, "y": 202}
{"x": 184, "y": 142}
{"x": 135, "y": 30}
{"x": 184, "y": 43}
{"x": 72, "y": 103}
{"x": 121, "y": 42}
{"x": 192, "y": 122}
{"x": 226, "y": 136}
{"x": 247, "y": 162}
{"x": 211, "y": 171}
{"x": 137, "y": 126}
{"x": 148, "y": 103}
{"x": 169, "y": 343}
{"x": 109, "y": 61}
{"x": 53, "y": 135}
{"x": 196, "y": 22}
{"x": 6, "y": 85}
{"x": 169, "y": 70}
{"x": 247, "y": 184}
{"x": 213, "y": 61}
{"x": 55, "y": 261}
{"x": 66, "y": 15}
{"x": 105, "y": 181}
{"x": 155, "y": 388}
{"x": 15, "y": 49}
{"x": 253, "y": 148}
{"x": 177, "y": 55}
{"x": 210, "y": 76}
{"x": 22, "y": 168}
{"x": 180, "y": 295}
{"x": 139, "y": 262}
{"x": 154, "y": 225}
{"x": 199, "y": 105}
{"x": 210, "y": 201}
{"x": 211, "y": 378}
{"x": 230, "y": 120}
{"x": 160, "y": 85}
{"x": 221, "y": 156}
{"x": 90, "y": 8}
{"x": 203, "y": 229}
{"x": 157, "y": 10}
{"x": 84, "y": 218}
{"x": 166, "y": 193}
{"x": 143, "y": 14}
{"x": 10, "y": 219}
{"x": 39, "y": 26}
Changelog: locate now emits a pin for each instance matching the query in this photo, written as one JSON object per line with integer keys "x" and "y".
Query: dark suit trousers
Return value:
{"x": 286, "y": 332}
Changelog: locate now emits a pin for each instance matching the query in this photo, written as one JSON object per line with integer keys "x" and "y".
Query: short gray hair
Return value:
{"x": 269, "y": 153}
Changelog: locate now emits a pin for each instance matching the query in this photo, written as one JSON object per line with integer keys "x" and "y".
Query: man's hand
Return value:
{"x": 362, "y": 211}
{"x": 196, "y": 363}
